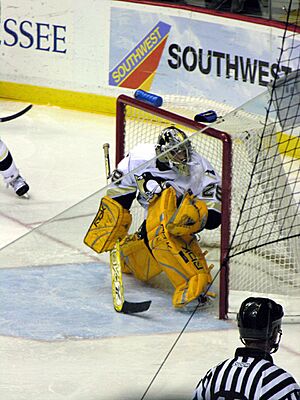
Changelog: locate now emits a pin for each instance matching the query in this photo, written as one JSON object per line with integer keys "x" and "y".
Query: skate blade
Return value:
{"x": 25, "y": 196}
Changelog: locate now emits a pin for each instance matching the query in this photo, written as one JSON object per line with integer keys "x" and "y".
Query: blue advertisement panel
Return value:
{"x": 217, "y": 58}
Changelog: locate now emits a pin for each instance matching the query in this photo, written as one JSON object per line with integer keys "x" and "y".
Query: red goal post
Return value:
{"x": 138, "y": 122}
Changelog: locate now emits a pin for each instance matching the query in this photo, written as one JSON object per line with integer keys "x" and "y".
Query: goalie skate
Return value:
{"x": 204, "y": 301}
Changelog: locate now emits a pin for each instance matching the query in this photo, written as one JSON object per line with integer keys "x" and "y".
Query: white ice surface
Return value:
{"x": 46, "y": 353}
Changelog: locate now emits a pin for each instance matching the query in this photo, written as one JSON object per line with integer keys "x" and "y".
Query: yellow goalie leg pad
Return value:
{"x": 180, "y": 258}
{"x": 186, "y": 292}
{"x": 186, "y": 268}
{"x": 111, "y": 223}
{"x": 137, "y": 259}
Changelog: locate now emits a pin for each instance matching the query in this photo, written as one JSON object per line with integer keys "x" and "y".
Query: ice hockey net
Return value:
{"x": 257, "y": 246}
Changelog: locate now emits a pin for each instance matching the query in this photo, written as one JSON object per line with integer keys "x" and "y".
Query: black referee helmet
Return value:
{"x": 259, "y": 319}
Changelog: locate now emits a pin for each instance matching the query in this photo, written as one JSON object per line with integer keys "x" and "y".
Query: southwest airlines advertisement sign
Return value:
{"x": 138, "y": 67}
{"x": 172, "y": 52}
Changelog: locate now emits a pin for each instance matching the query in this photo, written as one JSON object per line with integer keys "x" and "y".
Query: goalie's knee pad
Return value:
{"x": 111, "y": 223}
{"x": 137, "y": 259}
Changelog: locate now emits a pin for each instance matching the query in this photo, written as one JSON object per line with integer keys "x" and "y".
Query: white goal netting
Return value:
{"x": 263, "y": 212}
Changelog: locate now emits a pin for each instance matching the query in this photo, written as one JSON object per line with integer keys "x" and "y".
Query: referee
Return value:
{"x": 251, "y": 374}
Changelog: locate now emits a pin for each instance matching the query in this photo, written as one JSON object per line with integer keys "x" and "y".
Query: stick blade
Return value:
{"x": 132, "y": 308}
{"x": 18, "y": 114}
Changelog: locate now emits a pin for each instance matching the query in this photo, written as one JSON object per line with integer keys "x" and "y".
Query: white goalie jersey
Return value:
{"x": 141, "y": 175}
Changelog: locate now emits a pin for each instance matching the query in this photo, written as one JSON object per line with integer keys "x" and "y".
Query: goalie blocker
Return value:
{"x": 111, "y": 223}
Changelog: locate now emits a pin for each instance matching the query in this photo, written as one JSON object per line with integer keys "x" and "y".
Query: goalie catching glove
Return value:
{"x": 189, "y": 218}
{"x": 110, "y": 224}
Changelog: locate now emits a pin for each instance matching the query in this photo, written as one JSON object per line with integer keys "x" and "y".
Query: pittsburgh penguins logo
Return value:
{"x": 148, "y": 184}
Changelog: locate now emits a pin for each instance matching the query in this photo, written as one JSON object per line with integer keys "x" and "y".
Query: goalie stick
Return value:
{"x": 120, "y": 304}
{"x": 18, "y": 114}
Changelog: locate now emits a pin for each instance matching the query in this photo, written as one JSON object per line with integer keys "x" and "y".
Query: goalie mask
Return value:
{"x": 259, "y": 319}
{"x": 176, "y": 158}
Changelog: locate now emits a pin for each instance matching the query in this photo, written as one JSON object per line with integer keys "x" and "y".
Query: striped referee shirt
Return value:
{"x": 250, "y": 375}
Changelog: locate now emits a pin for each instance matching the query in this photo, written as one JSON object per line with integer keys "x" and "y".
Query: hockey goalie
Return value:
{"x": 181, "y": 195}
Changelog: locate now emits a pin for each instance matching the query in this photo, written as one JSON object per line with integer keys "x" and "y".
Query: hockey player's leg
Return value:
{"x": 137, "y": 259}
{"x": 180, "y": 258}
{"x": 10, "y": 172}
{"x": 186, "y": 268}
{"x": 199, "y": 272}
